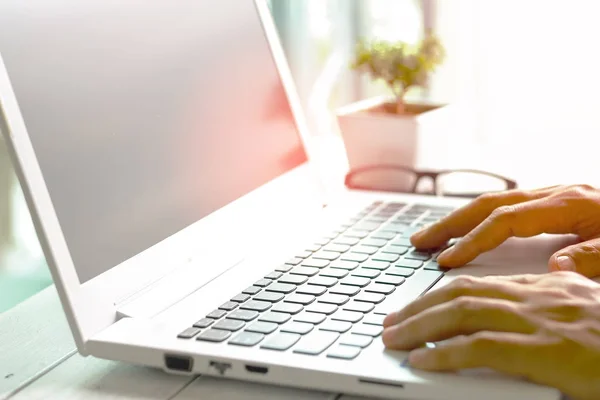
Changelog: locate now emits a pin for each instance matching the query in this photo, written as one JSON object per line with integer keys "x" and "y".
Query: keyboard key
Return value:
{"x": 354, "y": 257}
{"x": 256, "y": 305}
{"x": 383, "y": 235}
{"x": 345, "y": 290}
{"x": 348, "y": 316}
{"x": 366, "y": 273}
{"x": 315, "y": 263}
{"x": 338, "y": 248}
{"x": 304, "y": 254}
{"x": 361, "y": 341}
{"x": 356, "y": 280}
{"x": 316, "y": 343}
{"x": 370, "y": 297}
{"x": 306, "y": 271}
{"x": 327, "y": 255}
{"x": 313, "y": 248}
{"x": 390, "y": 280}
{"x": 283, "y": 268}
{"x": 347, "y": 265}
{"x": 409, "y": 291}
{"x": 322, "y": 281}
{"x": 271, "y": 297}
{"x": 399, "y": 250}
{"x": 408, "y": 232}
{"x": 387, "y": 257}
{"x": 354, "y": 233}
{"x": 230, "y": 305}
{"x": 263, "y": 327}
{"x": 189, "y": 333}
{"x": 300, "y": 328}
{"x": 311, "y": 290}
{"x": 214, "y": 335}
{"x": 418, "y": 255}
{"x": 359, "y": 306}
{"x": 252, "y": 290}
{"x": 216, "y": 314}
{"x": 247, "y": 339}
{"x": 395, "y": 227}
{"x": 404, "y": 263}
{"x": 281, "y": 288}
{"x": 323, "y": 241}
{"x": 321, "y": 308}
{"x": 404, "y": 242}
{"x": 373, "y": 242}
{"x": 346, "y": 240}
{"x": 378, "y": 265}
{"x": 204, "y": 323}
{"x": 367, "y": 226}
{"x": 398, "y": 271}
{"x": 334, "y": 273}
{"x": 343, "y": 352}
{"x": 310, "y": 318}
{"x": 263, "y": 283}
{"x": 370, "y": 250}
{"x": 281, "y": 341}
{"x": 367, "y": 330}
{"x": 374, "y": 319}
{"x": 336, "y": 299}
{"x": 229, "y": 325}
{"x": 335, "y": 326}
{"x": 274, "y": 275}
{"x": 434, "y": 266}
{"x": 240, "y": 298}
{"x": 303, "y": 299}
{"x": 275, "y": 317}
{"x": 288, "y": 308}
{"x": 243, "y": 315}
{"x": 294, "y": 261}
{"x": 293, "y": 279}
{"x": 380, "y": 288}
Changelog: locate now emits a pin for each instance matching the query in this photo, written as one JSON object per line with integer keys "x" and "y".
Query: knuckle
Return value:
{"x": 466, "y": 305}
{"x": 485, "y": 199}
{"x": 481, "y": 342}
{"x": 504, "y": 212}
{"x": 462, "y": 285}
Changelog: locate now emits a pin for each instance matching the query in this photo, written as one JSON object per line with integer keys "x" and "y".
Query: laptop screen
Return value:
{"x": 145, "y": 116}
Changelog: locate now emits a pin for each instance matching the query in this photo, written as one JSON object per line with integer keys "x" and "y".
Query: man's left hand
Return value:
{"x": 545, "y": 328}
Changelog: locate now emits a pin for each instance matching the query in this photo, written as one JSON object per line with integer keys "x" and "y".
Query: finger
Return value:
{"x": 525, "y": 279}
{"x": 459, "y": 287}
{"x": 466, "y": 218}
{"x": 583, "y": 258}
{"x": 520, "y": 220}
{"x": 463, "y": 316}
{"x": 511, "y": 353}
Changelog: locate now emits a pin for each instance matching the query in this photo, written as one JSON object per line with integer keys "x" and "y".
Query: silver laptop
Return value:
{"x": 162, "y": 152}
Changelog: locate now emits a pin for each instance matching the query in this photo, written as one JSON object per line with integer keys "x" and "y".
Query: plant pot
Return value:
{"x": 374, "y": 134}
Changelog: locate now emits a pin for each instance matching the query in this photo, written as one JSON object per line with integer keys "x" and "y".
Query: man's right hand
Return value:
{"x": 491, "y": 219}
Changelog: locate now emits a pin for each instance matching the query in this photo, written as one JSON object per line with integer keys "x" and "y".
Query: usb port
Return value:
{"x": 256, "y": 369}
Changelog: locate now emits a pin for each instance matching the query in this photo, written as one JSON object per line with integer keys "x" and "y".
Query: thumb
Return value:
{"x": 583, "y": 258}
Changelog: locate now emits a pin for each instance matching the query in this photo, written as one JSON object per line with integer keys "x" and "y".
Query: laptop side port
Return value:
{"x": 179, "y": 363}
{"x": 257, "y": 369}
{"x": 220, "y": 367}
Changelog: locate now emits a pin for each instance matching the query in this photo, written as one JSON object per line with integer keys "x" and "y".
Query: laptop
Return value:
{"x": 164, "y": 157}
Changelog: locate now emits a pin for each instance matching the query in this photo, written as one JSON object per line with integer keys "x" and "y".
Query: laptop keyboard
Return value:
{"x": 332, "y": 296}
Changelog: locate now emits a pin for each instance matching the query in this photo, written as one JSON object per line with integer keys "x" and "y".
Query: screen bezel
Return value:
{"x": 92, "y": 306}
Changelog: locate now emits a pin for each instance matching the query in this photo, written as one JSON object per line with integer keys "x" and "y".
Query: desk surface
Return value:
{"x": 39, "y": 361}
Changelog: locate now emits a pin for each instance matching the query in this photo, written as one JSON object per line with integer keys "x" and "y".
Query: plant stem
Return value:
{"x": 400, "y": 108}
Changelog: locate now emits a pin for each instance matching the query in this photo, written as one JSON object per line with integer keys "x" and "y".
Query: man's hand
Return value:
{"x": 545, "y": 328}
{"x": 488, "y": 221}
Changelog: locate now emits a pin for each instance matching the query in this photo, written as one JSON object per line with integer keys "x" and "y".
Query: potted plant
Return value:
{"x": 391, "y": 129}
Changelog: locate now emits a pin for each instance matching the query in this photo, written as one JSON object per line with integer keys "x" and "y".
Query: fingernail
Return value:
{"x": 566, "y": 263}
{"x": 418, "y": 357}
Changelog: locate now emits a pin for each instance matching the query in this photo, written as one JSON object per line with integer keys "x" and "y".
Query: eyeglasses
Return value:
{"x": 468, "y": 183}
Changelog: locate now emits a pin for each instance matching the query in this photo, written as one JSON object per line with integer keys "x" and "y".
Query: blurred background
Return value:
{"x": 524, "y": 72}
